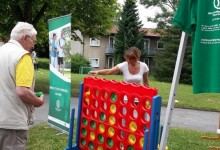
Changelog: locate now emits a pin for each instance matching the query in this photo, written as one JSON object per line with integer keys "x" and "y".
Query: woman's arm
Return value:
{"x": 145, "y": 79}
{"x": 111, "y": 71}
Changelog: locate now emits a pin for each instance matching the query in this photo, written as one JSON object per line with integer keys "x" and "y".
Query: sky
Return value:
{"x": 144, "y": 13}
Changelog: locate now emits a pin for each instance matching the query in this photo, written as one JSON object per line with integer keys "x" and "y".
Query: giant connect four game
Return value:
{"x": 117, "y": 116}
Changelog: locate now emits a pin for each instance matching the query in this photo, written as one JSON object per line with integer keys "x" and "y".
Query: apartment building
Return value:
{"x": 100, "y": 51}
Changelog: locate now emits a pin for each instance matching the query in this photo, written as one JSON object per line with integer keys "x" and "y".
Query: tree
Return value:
{"x": 165, "y": 59}
{"x": 94, "y": 17}
{"x": 91, "y": 17}
{"x": 167, "y": 7}
{"x": 129, "y": 33}
{"x": 164, "y": 4}
{"x": 163, "y": 71}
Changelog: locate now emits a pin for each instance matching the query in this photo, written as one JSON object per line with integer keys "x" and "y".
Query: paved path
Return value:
{"x": 182, "y": 118}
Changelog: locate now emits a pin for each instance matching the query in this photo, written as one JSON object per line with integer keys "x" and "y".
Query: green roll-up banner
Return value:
{"x": 60, "y": 72}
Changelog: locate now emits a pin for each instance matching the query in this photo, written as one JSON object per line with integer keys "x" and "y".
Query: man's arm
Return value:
{"x": 28, "y": 96}
{"x": 24, "y": 80}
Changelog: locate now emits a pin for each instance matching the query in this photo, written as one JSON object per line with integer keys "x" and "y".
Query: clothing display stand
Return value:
{"x": 175, "y": 82}
{"x": 214, "y": 138}
{"x": 218, "y": 132}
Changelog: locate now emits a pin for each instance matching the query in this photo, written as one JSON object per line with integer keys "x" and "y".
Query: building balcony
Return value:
{"x": 151, "y": 51}
{"x": 109, "y": 50}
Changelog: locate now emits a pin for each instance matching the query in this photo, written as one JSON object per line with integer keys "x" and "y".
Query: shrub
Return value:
{"x": 78, "y": 61}
{"x": 43, "y": 63}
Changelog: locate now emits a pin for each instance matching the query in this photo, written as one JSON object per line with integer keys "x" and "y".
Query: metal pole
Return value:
{"x": 70, "y": 140}
{"x": 173, "y": 89}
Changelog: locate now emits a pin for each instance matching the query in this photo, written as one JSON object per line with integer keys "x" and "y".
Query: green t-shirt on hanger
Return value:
{"x": 201, "y": 19}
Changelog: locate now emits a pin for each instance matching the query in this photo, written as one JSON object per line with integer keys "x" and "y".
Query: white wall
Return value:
{"x": 76, "y": 46}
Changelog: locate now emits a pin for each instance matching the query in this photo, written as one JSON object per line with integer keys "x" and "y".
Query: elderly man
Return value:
{"x": 16, "y": 91}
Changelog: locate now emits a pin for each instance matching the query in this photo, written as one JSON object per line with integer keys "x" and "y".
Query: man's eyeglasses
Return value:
{"x": 34, "y": 41}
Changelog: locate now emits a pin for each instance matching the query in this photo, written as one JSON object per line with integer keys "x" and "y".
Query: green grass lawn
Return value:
{"x": 184, "y": 96}
{"x": 43, "y": 137}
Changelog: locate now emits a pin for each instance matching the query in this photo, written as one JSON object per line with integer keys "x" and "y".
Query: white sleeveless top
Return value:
{"x": 130, "y": 78}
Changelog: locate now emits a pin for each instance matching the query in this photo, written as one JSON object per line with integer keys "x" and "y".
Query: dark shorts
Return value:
{"x": 13, "y": 139}
{"x": 60, "y": 60}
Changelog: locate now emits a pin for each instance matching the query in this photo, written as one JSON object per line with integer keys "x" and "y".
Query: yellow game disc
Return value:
{"x": 92, "y": 135}
{"x": 133, "y": 126}
{"x": 101, "y": 128}
{"x": 131, "y": 139}
{"x": 111, "y": 131}
{"x": 147, "y": 104}
{"x": 99, "y": 148}
{"x": 141, "y": 142}
{"x": 112, "y": 108}
{"x": 112, "y": 120}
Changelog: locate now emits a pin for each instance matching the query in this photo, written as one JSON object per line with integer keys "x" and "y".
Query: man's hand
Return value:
{"x": 28, "y": 96}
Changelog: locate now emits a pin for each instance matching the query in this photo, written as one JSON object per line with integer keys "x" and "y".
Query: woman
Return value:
{"x": 134, "y": 71}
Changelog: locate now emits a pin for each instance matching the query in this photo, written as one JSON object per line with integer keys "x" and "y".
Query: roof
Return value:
{"x": 114, "y": 29}
{"x": 149, "y": 31}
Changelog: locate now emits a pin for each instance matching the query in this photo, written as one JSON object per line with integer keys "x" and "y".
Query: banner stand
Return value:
{"x": 60, "y": 73}
{"x": 175, "y": 82}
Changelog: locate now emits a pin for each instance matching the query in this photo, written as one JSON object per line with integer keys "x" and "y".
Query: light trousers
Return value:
{"x": 13, "y": 139}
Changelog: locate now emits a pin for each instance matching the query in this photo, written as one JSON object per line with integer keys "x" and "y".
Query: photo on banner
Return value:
{"x": 60, "y": 72}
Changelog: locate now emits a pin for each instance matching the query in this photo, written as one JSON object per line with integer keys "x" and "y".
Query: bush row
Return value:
{"x": 43, "y": 63}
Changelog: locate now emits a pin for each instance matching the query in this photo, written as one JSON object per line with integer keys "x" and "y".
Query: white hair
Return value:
{"x": 22, "y": 29}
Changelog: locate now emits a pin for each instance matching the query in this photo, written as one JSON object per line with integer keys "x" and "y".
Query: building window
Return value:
{"x": 111, "y": 41}
{"x": 94, "y": 42}
{"x": 94, "y": 62}
{"x": 146, "y": 44}
{"x": 160, "y": 45}
{"x": 110, "y": 62}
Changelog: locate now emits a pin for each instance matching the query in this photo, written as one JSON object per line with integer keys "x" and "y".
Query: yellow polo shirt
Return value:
{"x": 24, "y": 72}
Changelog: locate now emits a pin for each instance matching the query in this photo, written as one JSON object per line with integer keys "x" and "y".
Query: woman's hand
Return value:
{"x": 93, "y": 72}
